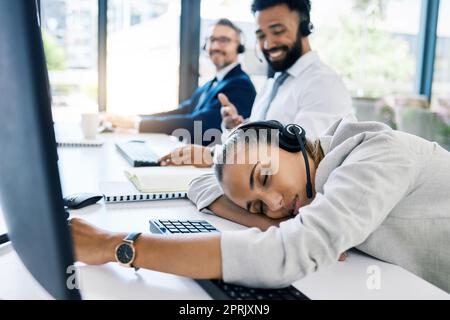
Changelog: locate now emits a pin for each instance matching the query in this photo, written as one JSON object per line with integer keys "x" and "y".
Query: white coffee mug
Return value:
{"x": 89, "y": 125}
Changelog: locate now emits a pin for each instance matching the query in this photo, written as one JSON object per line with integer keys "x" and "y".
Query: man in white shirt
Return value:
{"x": 310, "y": 94}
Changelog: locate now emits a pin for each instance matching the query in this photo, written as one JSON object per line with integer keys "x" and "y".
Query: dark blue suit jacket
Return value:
{"x": 236, "y": 85}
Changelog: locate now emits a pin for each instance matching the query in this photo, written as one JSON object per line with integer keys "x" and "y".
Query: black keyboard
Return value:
{"x": 220, "y": 290}
{"x": 181, "y": 226}
{"x": 138, "y": 153}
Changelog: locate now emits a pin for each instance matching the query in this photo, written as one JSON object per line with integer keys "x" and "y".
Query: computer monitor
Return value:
{"x": 29, "y": 180}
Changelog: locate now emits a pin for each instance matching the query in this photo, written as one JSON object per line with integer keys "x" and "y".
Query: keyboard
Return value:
{"x": 219, "y": 290}
{"x": 181, "y": 226}
{"x": 138, "y": 153}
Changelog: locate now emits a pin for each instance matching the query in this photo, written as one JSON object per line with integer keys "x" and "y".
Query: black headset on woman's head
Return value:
{"x": 291, "y": 138}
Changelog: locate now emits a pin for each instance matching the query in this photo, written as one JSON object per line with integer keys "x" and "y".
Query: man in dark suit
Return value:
{"x": 223, "y": 46}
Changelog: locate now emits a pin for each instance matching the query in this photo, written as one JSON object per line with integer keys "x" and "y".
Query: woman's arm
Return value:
{"x": 225, "y": 208}
{"x": 205, "y": 192}
{"x": 194, "y": 256}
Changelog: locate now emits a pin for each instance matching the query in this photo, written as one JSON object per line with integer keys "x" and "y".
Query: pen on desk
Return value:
{"x": 4, "y": 238}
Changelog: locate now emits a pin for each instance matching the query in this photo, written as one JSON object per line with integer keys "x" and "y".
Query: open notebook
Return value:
{"x": 153, "y": 183}
{"x": 164, "y": 179}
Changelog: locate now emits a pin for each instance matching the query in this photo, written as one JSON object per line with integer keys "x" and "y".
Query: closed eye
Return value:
{"x": 262, "y": 208}
{"x": 266, "y": 177}
{"x": 258, "y": 207}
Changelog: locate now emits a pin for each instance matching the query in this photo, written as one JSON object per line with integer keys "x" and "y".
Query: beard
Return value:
{"x": 292, "y": 55}
{"x": 222, "y": 64}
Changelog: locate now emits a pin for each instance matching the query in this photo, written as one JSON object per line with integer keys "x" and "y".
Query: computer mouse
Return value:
{"x": 81, "y": 200}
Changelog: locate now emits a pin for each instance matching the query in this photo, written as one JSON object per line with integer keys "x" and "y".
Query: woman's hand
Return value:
{"x": 192, "y": 154}
{"x": 93, "y": 245}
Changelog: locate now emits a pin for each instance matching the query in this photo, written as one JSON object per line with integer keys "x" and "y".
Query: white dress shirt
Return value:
{"x": 313, "y": 96}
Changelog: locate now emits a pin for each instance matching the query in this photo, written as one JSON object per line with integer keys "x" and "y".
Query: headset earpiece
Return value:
{"x": 306, "y": 28}
{"x": 286, "y": 135}
{"x": 241, "y": 48}
{"x": 289, "y": 138}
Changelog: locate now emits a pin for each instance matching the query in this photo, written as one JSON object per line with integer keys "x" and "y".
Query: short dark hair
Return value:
{"x": 303, "y": 7}
{"x": 228, "y": 23}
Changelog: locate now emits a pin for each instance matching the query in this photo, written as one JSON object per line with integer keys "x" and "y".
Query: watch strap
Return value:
{"x": 131, "y": 237}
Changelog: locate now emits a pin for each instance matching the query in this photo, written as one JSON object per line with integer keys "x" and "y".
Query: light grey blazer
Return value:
{"x": 382, "y": 191}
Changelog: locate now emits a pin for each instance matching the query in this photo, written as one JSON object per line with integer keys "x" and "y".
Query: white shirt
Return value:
{"x": 313, "y": 96}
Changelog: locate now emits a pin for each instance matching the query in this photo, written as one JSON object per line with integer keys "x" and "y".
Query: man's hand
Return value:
{"x": 123, "y": 122}
{"x": 230, "y": 117}
{"x": 93, "y": 245}
{"x": 192, "y": 154}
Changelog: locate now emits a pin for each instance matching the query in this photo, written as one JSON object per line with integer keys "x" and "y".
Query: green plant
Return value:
{"x": 373, "y": 62}
{"x": 54, "y": 54}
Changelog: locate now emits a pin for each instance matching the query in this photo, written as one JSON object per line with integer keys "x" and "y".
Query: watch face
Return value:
{"x": 125, "y": 253}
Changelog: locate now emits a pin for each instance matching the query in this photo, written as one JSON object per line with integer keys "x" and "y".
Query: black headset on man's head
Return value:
{"x": 291, "y": 138}
{"x": 306, "y": 26}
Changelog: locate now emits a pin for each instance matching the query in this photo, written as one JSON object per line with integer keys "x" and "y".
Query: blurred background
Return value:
{"x": 136, "y": 57}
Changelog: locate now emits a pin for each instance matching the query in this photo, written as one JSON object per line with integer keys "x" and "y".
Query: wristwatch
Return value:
{"x": 125, "y": 251}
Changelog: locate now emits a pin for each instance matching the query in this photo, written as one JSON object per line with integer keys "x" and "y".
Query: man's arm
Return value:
{"x": 238, "y": 91}
{"x": 183, "y": 108}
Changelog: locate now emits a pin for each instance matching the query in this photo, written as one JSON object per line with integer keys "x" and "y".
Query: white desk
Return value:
{"x": 81, "y": 171}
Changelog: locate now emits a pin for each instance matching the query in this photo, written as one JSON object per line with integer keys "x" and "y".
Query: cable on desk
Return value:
{"x": 4, "y": 238}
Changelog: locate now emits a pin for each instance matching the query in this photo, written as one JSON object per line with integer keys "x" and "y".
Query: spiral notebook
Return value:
{"x": 147, "y": 184}
{"x": 116, "y": 192}
{"x": 78, "y": 143}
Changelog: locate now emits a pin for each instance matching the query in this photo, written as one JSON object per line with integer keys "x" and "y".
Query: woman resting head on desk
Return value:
{"x": 361, "y": 185}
